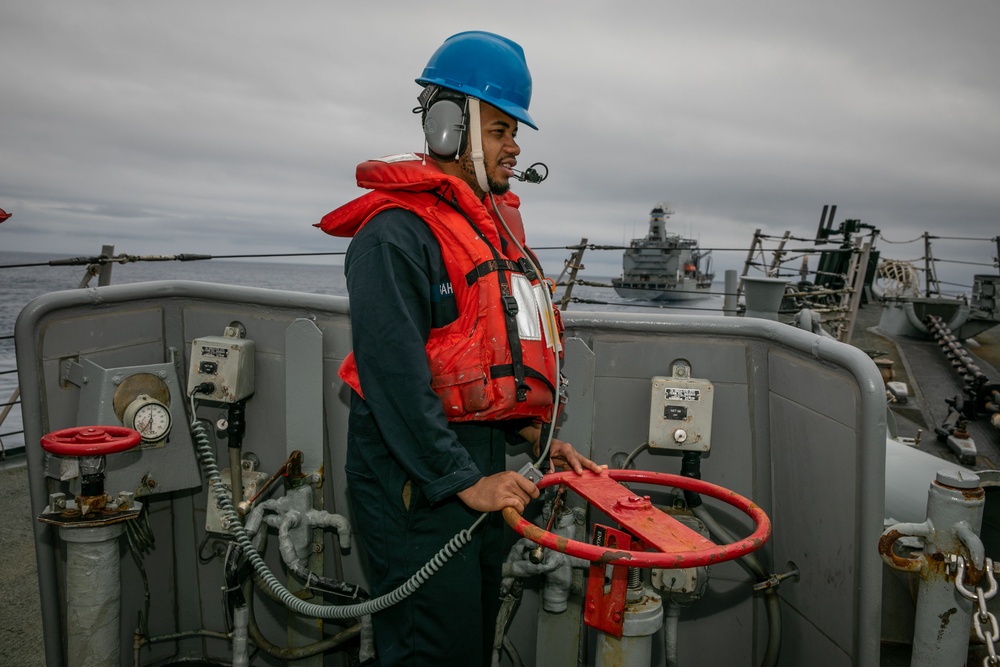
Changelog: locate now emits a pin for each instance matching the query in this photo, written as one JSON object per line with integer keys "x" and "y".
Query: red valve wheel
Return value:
{"x": 90, "y": 440}
{"x": 677, "y": 546}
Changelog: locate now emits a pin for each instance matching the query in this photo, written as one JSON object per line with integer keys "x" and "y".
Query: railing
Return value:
{"x": 833, "y": 294}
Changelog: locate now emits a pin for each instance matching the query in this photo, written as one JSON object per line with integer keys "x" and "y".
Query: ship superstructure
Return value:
{"x": 663, "y": 266}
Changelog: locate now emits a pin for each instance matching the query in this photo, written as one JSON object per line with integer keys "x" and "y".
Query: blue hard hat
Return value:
{"x": 485, "y": 66}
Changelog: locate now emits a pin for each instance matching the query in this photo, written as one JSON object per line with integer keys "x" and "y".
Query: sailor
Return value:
{"x": 454, "y": 354}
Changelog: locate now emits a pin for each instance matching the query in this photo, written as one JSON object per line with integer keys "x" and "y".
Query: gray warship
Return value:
{"x": 664, "y": 266}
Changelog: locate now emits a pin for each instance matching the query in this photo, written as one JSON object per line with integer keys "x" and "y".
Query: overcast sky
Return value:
{"x": 231, "y": 127}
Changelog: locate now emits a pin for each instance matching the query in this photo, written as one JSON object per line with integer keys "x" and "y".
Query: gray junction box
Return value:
{"x": 680, "y": 414}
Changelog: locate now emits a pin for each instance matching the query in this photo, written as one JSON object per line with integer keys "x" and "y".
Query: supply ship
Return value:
{"x": 664, "y": 266}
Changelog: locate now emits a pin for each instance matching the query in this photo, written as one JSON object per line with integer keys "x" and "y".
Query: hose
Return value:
{"x": 753, "y": 565}
{"x": 294, "y": 652}
{"x": 239, "y": 594}
{"x": 206, "y": 455}
{"x": 670, "y": 623}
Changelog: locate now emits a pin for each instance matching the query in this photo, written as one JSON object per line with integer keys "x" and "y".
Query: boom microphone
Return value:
{"x": 531, "y": 175}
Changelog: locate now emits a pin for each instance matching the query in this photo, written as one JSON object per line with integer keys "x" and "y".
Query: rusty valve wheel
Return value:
{"x": 676, "y": 546}
{"x": 90, "y": 440}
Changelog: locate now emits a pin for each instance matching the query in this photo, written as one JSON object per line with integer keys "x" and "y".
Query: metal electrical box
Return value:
{"x": 680, "y": 414}
{"x": 227, "y": 363}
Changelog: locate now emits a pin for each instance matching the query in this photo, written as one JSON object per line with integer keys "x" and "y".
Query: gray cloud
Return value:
{"x": 182, "y": 126}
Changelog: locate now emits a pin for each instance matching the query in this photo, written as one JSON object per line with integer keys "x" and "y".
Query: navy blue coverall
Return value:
{"x": 405, "y": 462}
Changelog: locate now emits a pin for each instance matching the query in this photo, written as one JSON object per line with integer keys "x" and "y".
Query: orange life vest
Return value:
{"x": 497, "y": 359}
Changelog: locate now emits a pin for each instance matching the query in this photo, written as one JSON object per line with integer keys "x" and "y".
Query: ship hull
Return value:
{"x": 647, "y": 291}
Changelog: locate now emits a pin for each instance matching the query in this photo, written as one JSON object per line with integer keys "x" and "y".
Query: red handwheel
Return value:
{"x": 675, "y": 545}
{"x": 90, "y": 440}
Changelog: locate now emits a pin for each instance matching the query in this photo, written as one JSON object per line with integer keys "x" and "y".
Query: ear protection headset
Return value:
{"x": 445, "y": 128}
{"x": 446, "y": 119}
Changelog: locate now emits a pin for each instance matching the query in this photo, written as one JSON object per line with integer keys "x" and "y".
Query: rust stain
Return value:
{"x": 885, "y": 548}
{"x": 973, "y": 575}
{"x": 935, "y": 567}
{"x": 977, "y": 493}
{"x": 610, "y": 556}
{"x": 945, "y": 620}
{"x": 532, "y": 531}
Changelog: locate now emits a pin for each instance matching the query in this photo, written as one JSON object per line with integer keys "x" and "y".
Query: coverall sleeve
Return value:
{"x": 391, "y": 268}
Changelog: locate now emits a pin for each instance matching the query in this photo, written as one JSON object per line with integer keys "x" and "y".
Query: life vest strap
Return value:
{"x": 507, "y": 370}
{"x": 491, "y": 266}
{"x": 499, "y": 264}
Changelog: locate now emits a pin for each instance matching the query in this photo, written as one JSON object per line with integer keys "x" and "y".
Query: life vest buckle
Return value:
{"x": 527, "y": 269}
{"x": 510, "y": 305}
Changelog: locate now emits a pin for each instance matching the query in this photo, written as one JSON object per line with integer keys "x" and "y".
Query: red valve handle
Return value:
{"x": 90, "y": 440}
{"x": 677, "y": 546}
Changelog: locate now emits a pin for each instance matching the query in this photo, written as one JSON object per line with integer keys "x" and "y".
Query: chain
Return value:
{"x": 982, "y": 616}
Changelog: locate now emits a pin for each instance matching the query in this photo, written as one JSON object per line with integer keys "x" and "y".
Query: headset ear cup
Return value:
{"x": 444, "y": 128}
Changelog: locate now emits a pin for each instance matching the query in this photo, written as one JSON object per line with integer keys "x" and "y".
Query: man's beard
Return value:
{"x": 469, "y": 169}
{"x": 496, "y": 187}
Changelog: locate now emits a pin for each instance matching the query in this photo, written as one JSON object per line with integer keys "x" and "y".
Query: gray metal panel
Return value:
{"x": 647, "y": 356}
{"x": 135, "y": 328}
{"x": 805, "y": 644}
{"x": 577, "y": 425}
{"x": 766, "y": 415}
{"x": 821, "y": 473}
{"x": 628, "y": 401}
{"x": 810, "y": 385}
{"x": 145, "y": 319}
{"x": 790, "y": 403}
{"x": 304, "y": 392}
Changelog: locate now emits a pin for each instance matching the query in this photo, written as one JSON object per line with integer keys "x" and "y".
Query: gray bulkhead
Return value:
{"x": 798, "y": 426}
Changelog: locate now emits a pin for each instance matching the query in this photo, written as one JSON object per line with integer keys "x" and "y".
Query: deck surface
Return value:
{"x": 21, "y": 641}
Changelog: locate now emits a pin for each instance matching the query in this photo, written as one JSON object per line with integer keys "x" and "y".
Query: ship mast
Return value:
{"x": 658, "y": 223}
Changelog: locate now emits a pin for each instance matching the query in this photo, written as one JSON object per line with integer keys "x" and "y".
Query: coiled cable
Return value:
{"x": 206, "y": 455}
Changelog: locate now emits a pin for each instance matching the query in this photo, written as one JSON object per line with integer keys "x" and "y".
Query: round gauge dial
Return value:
{"x": 149, "y": 417}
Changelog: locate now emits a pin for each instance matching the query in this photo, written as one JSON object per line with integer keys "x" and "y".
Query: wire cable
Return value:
{"x": 206, "y": 455}
{"x": 556, "y": 343}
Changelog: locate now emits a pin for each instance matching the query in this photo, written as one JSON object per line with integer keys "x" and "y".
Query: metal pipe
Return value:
{"x": 670, "y": 634}
{"x": 955, "y": 504}
{"x": 643, "y": 617}
{"x": 93, "y": 595}
{"x": 751, "y": 564}
{"x": 236, "y": 474}
{"x": 951, "y": 501}
{"x": 729, "y": 298}
{"x": 241, "y": 637}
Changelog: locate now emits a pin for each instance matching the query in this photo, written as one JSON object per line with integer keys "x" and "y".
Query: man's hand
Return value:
{"x": 565, "y": 456}
{"x": 561, "y": 453}
{"x": 504, "y": 489}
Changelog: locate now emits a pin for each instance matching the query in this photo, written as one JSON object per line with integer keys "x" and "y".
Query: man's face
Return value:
{"x": 500, "y": 150}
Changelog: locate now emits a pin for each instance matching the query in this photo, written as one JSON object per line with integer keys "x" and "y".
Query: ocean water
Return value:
{"x": 22, "y": 283}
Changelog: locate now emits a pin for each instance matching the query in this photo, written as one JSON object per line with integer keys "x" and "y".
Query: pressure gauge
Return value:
{"x": 149, "y": 417}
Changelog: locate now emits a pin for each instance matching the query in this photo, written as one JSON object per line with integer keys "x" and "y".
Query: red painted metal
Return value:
{"x": 90, "y": 440}
{"x": 602, "y": 610}
{"x": 676, "y": 546}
